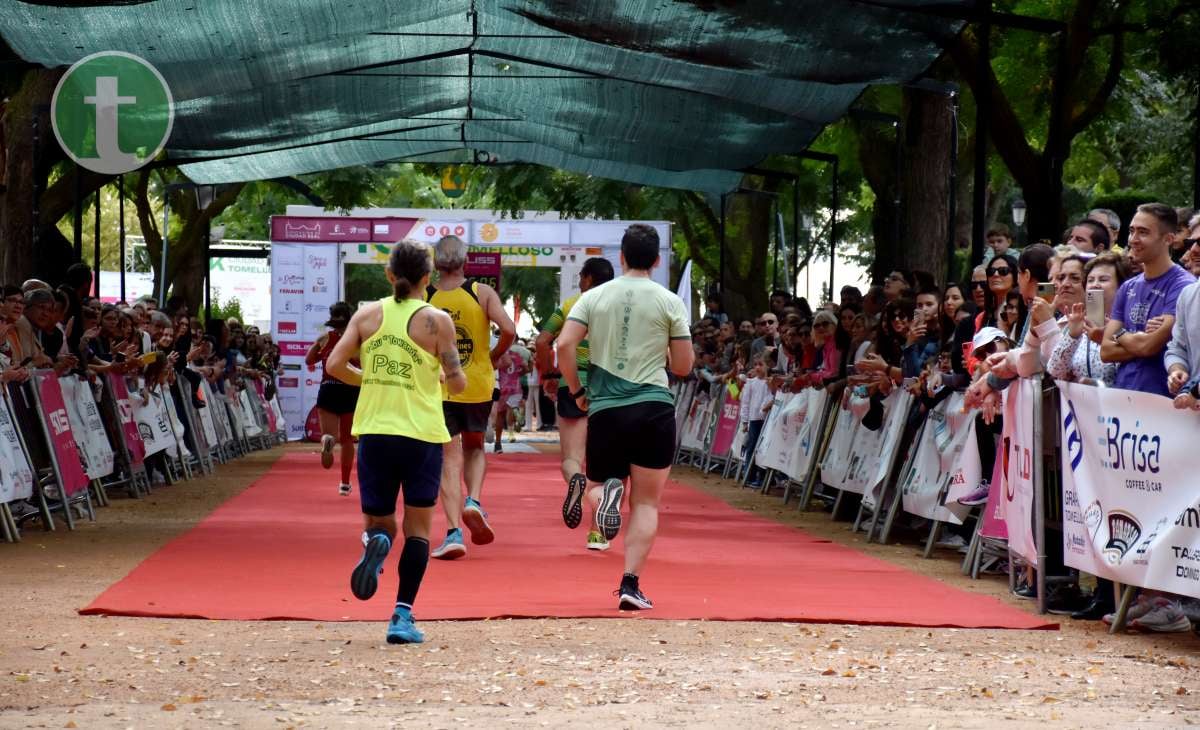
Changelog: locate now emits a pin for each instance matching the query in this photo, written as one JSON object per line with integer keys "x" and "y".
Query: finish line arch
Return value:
{"x": 317, "y": 260}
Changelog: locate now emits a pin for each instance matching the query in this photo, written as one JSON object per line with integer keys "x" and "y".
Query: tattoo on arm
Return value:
{"x": 450, "y": 361}
{"x": 431, "y": 325}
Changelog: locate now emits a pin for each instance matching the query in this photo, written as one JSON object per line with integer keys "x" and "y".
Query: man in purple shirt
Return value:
{"x": 1136, "y": 337}
{"x": 1144, "y": 310}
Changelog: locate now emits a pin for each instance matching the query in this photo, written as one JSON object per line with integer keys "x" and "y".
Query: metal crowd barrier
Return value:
{"x": 39, "y": 443}
{"x": 695, "y": 427}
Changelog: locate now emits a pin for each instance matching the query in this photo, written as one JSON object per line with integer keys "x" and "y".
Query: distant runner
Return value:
{"x": 572, "y": 421}
{"x": 635, "y": 329}
{"x": 335, "y": 400}
{"x": 471, "y": 307}
{"x": 405, "y": 347}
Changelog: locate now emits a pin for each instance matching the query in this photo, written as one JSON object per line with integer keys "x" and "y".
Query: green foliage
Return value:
{"x": 222, "y": 310}
{"x": 535, "y": 288}
{"x": 365, "y": 283}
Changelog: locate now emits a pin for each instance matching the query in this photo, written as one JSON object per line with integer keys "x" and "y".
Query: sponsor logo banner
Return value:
{"x": 289, "y": 348}
{"x": 946, "y": 457}
{"x": 790, "y": 435}
{"x": 1131, "y": 510}
{"x": 1016, "y": 453}
{"x": 864, "y": 457}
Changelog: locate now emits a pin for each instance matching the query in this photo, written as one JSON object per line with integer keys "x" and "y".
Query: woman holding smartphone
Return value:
{"x": 1076, "y": 357}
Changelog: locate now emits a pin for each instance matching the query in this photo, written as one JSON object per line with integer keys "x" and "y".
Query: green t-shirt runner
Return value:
{"x": 630, "y": 320}
{"x": 554, "y": 325}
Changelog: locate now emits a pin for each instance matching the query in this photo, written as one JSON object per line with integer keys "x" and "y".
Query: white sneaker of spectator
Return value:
{"x": 952, "y": 541}
{"x": 1165, "y": 616}
{"x": 1137, "y": 609}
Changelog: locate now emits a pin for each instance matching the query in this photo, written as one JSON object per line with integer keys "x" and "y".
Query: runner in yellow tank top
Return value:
{"x": 405, "y": 347}
{"x": 473, "y": 308}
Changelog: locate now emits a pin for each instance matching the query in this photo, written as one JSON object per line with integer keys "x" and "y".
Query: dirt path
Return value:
{"x": 58, "y": 669}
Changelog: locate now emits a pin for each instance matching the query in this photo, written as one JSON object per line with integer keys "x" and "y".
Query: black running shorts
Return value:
{"x": 567, "y": 407}
{"x": 642, "y": 434}
{"x": 466, "y": 417}
{"x": 387, "y": 464}
{"x": 337, "y": 398}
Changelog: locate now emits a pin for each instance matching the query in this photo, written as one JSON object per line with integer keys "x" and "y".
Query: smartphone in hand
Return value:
{"x": 1095, "y": 307}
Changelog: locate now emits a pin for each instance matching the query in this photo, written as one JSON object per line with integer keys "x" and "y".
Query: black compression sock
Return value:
{"x": 413, "y": 560}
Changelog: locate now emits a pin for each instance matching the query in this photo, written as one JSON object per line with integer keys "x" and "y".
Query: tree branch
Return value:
{"x": 1096, "y": 105}
{"x": 1008, "y": 135}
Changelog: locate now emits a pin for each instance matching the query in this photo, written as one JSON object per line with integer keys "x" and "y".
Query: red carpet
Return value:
{"x": 284, "y": 548}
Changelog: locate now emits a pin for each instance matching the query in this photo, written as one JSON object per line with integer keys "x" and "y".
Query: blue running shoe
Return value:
{"x": 402, "y": 630}
{"x": 475, "y": 519}
{"x": 452, "y": 548}
{"x": 365, "y": 578}
{"x": 608, "y": 515}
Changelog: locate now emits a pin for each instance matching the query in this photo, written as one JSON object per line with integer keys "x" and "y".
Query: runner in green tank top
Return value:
{"x": 572, "y": 422}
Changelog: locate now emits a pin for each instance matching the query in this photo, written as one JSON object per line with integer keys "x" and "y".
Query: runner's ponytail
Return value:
{"x": 409, "y": 264}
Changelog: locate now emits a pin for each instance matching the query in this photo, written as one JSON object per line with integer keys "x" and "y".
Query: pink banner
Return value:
{"x": 727, "y": 425}
{"x": 294, "y": 349}
{"x": 338, "y": 229}
{"x": 994, "y": 526}
{"x": 133, "y": 438}
{"x": 70, "y": 463}
{"x": 270, "y": 412}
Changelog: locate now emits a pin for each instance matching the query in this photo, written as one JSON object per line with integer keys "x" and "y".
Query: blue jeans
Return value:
{"x": 753, "y": 431}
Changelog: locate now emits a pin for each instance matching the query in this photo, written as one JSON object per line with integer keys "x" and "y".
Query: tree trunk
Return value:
{"x": 186, "y": 262}
{"x": 925, "y": 183}
{"x": 876, "y": 156}
{"x": 18, "y": 259}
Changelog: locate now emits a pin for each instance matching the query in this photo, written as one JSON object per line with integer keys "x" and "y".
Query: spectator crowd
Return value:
{"x": 1083, "y": 310}
{"x": 72, "y": 332}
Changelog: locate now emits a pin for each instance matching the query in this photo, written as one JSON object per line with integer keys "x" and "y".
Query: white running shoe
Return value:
{"x": 1164, "y": 617}
{"x": 327, "y": 444}
{"x": 344, "y": 490}
{"x": 1137, "y": 609}
{"x": 951, "y": 542}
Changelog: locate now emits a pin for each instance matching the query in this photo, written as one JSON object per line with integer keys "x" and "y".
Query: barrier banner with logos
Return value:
{"x": 871, "y": 451}
{"x": 249, "y": 422}
{"x": 790, "y": 436}
{"x": 207, "y": 424}
{"x": 70, "y": 461}
{"x": 945, "y": 452}
{"x": 272, "y": 426}
{"x": 16, "y": 476}
{"x": 727, "y": 425}
{"x": 152, "y": 421}
{"x": 836, "y": 462}
{"x": 87, "y": 426}
{"x": 1131, "y": 507}
{"x": 129, "y": 428}
{"x": 1016, "y": 452}
{"x": 695, "y": 425}
{"x": 994, "y": 527}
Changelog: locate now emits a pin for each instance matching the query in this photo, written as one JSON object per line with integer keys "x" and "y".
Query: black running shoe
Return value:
{"x": 608, "y": 516}
{"x": 572, "y": 509}
{"x": 631, "y": 598}
{"x": 365, "y": 578}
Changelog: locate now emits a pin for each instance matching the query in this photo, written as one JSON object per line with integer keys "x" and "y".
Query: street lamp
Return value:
{"x": 1018, "y": 213}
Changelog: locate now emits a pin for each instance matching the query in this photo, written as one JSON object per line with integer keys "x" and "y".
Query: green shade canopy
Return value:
{"x": 672, "y": 93}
